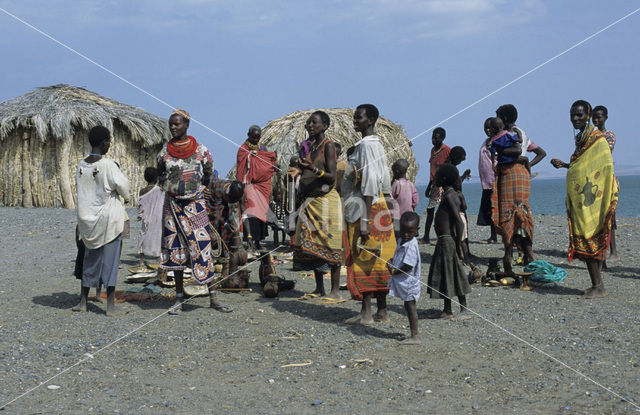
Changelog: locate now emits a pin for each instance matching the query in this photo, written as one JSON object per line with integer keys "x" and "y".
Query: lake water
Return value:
{"x": 548, "y": 196}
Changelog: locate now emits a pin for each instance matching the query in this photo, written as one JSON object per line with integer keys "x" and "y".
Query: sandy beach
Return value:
{"x": 204, "y": 361}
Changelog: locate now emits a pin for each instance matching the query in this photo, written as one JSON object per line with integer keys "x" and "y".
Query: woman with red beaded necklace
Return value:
{"x": 186, "y": 168}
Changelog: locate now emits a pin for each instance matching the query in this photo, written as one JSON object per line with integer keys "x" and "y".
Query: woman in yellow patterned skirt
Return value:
{"x": 318, "y": 240}
{"x": 371, "y": 242}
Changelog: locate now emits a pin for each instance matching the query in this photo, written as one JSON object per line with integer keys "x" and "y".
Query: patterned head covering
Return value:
{"x": 184, "y": 114}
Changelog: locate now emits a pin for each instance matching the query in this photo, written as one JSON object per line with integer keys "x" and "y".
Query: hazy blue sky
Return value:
{"x": 236, "y": 63}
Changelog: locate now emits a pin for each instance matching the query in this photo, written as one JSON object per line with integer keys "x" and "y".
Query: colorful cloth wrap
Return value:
{"x": 254, "y": 168}
{"x": 592, "y": 196}
{"x": 545, "y": 272}
{"x": 367, "y": 272}
{"x": 186, "y": 236}
{"x": 435, "y": 197}
{"x": 510, "y": 210}
{"x": 318, "y": 236}
{"x": 437, "y": 158}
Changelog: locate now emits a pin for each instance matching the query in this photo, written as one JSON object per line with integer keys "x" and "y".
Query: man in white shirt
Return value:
{"x": 101, "y": 216}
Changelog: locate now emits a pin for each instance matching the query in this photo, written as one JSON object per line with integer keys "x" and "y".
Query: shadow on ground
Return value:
{"x": 331, "y": 313}
{"x": 623, "y": 272}
{"x": 558, "y": 253}
{"x": 64, "y": 301}
{"x": 557, "y": 290}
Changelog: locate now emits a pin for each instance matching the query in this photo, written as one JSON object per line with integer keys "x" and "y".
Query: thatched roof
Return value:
{"x": 285, "y": 134}
{"x": 59, "y": 109}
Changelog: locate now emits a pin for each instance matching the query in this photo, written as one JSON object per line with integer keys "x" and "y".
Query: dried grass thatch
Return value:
{"x": 44, "y": 136}
{"x": 285, "y": 134}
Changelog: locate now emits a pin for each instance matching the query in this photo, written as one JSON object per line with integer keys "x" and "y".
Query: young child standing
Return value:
{"x": 403, "y": 192}
{"x": 457, "y": 156}
{"x": 487, "y": 179}
{"x": 600, "y": 116}
{"x": 405, "y": 267}
{"x": 150, "y": 205}
{"x": 447, "y": 277}
{"x": 439, "y": 154}
{"x": 101, "y": 216}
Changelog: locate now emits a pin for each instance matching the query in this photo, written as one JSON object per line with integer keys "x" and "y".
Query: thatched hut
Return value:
{"x": 285, "y": 134}
{"x": 43, "y": 136}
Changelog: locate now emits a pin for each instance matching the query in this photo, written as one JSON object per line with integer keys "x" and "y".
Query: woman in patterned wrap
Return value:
{"x": 187, "y": 167}
{"x": 592, "y": 196}
{"x": 366, "y": 187}
{"x": 318, "y": 239}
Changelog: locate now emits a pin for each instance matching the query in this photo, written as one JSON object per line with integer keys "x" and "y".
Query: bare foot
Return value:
{"x": 366, "y": 321}
{"x": 335, "y": 296}
{"x": 353, "y": 320}
{"x": 113, "y": 312}
{"x": 595, "y": 292}
{"x": 443, "y": 314}
{"x": 410, "y": 340}
{"x": 82, "y": 306}
{"x": 381, "y": 317}
{"x": 97, "y": 299}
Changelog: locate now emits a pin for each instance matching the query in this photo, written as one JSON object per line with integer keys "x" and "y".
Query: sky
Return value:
{"x": 232, "y": 64}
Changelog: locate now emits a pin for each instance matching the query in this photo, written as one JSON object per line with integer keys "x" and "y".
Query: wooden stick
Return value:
{"x": 309, "y": 363}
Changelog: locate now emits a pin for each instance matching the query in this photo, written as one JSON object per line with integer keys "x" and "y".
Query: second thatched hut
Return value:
{"x": 285, "y": 134}
{"x": 43, "y": 136}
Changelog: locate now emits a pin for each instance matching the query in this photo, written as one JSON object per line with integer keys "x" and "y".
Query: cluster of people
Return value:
{"x": 378, "y": 221}
{"x": 348, "y": 210}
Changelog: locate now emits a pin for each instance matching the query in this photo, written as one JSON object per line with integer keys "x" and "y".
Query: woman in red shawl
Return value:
{"x": 254, "y": 169}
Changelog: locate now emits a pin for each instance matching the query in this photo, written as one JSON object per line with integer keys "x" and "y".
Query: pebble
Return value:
{"x": 41, "y": 334}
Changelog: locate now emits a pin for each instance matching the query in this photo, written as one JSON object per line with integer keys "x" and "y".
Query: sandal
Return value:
{"x": 175, "y": 309}
{"x": 223, "y": 308}
{"x": 328, "y": 300}
{"x": 308, "y": 296}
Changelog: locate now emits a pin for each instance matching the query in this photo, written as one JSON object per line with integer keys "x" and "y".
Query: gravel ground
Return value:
{"x": 209, "y": 362}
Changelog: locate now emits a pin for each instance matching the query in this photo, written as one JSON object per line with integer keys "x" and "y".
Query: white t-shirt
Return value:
{"x": 370, "y": 163}
{"x": 101, "y": 214}
{"x": 527, "y": 144}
